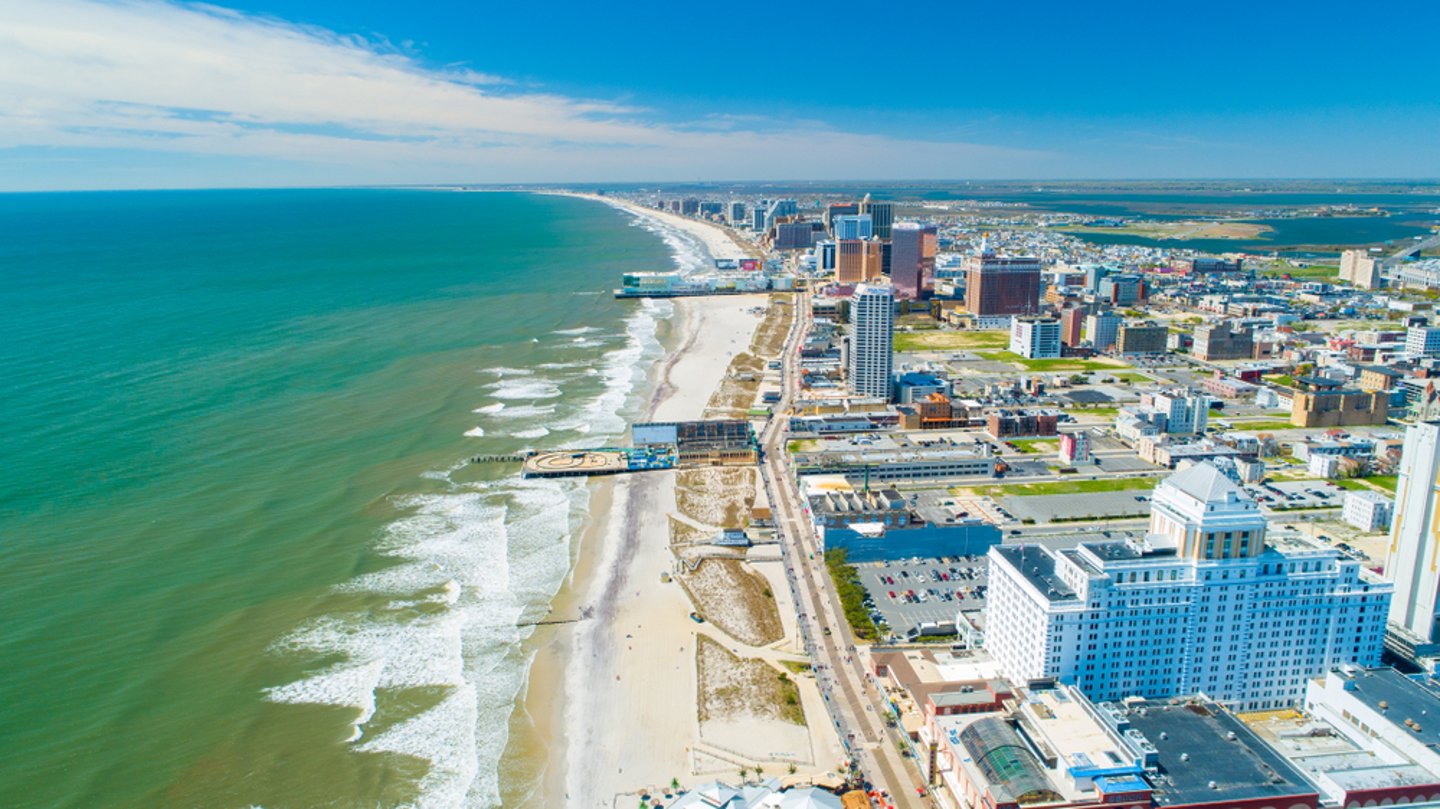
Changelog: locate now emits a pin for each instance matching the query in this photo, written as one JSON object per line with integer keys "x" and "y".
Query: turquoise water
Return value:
{"x": 242, "y": 561}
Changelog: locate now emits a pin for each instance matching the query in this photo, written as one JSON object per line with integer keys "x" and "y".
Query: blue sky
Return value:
{"x": 283, "y": 92}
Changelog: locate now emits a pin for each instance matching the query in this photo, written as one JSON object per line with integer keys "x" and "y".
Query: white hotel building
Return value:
{"x": 872, "y": 340}
{"x": 1203, "y": 604}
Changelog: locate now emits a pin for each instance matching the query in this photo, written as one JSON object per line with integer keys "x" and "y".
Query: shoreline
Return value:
{"x": 612, "y": 581}
{"x": 718, "y": 240}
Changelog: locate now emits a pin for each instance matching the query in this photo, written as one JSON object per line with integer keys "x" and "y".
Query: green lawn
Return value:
{"x": 950, "y": 340}
{"x": 1128, "y": 376}
{"x": 1386, "y": 482}
{"x": 1353, "y": 485}
{"x": 1104, "y": 412}
{"x": 1313, "y": 271}
{"x": 1281, "y": 379}
{"x": 802, "y": 445}
{"x": 1068, "y": 487}
{"x": 1062, "y": 364}
{"x": 1261, "y": 425}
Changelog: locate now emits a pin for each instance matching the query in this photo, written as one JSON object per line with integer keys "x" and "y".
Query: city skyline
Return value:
{"x": 155, "y": 94}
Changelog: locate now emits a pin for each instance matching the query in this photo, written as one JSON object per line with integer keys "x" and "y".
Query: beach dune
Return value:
{"x": 614, "y": 696}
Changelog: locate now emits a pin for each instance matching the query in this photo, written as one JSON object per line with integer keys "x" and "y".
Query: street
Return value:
{"x": 855, "y": 704}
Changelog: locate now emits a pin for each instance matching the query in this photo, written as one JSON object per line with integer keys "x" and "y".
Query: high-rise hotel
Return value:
{"x": 1204, "y": 604}
{"x": 872, "y": 340}
{"x": 912, "y": 259}
{"x": 1413, "y": 559}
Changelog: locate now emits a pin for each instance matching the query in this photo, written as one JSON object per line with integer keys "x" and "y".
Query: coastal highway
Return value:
{"x": 854, "y": 702}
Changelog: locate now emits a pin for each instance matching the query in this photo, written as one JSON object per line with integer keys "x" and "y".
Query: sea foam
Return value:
{"x": 469, "y": 568}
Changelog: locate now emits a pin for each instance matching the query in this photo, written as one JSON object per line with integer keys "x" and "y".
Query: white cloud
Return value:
{"x": 199, "y": 80}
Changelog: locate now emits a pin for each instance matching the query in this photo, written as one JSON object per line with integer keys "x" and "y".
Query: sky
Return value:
{"x": 147, "y": 94}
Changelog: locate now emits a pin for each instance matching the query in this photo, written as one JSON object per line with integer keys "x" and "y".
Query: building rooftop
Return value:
{"x": 1206, "y": 755}
{"x": 1038, "y": 568}
{"x": 1400, "y": 698}
{"x": 1205, "y": 483}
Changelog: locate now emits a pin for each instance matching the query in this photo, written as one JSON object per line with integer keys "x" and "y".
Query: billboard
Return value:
{"x": 749, "y": 265}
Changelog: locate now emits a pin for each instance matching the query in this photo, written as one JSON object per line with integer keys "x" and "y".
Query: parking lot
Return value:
{"x": 1292, "y": 494}
{"x": 907, "y": 594}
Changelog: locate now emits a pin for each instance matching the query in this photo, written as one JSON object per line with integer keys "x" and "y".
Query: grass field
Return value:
{"x": 1351, "y": 484}
{"x": 1386, "y": 482}
{"x": 1049, "y": 365}
{"x": 1261, "y": 425}
{"x": 1127, "y": 376}
{"x": 950, "y": 340}
{"x": 1065, "y": 487}
{"x": 1102, "y": 412}
{"x": 1036, "y": 446}
{"x": 1314, "y": 271}
{"x": 1281, "y": 379}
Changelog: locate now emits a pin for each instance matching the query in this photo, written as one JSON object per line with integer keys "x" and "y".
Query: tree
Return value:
{"x": 792, "y": 768}
{"x": 744, "y": 771}
{"x": 674, "y": 784}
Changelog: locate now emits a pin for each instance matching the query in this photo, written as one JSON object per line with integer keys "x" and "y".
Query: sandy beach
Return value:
{"x": 716, "y": 239}
{"x": 613, "y": 699}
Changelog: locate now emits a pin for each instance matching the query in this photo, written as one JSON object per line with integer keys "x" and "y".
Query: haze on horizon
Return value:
{"x": 154, "y": 94}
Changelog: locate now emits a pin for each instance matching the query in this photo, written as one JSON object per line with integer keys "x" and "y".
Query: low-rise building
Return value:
{"x": 898, "y": 465}
{"x": 1368, "y": 511}
{"x": 1326, "y": 406}
{"x": 934, "y": 412}
{"x": 1422, "y": 341}
{"x": 1054, "y": 747}
{"x": 1075, "y": 447}
{"x": 1035, "y": 337}
{"x": 1018, "y": 423}
{"x": 1378, "y": 742}
{"x": 1224, "y": 341}
{"x": 1141, "y": 339}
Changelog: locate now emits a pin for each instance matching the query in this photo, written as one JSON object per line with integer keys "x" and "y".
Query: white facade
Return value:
{"x": 1368, "y": 511}
{"x": 1423, "y": 341}
{"x": 1415, "y": 536}
{"x": 1360, "y": 269}
{"x": 853, "y": 226}
{"x": 1203, "y": 604}
{"x": 1324, "y": 466}
{"x": 1103, "y": 330}
{"x": 1185, "y": 412}
{"x": 1035, "y": 338}
{"x": 872, "y": 340}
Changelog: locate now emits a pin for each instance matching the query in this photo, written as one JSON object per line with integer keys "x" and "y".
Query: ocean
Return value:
{"x": 243, "y": 558}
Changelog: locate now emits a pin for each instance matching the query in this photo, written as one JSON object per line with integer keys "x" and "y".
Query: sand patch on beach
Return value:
{"x": 732, "y": 688}
{"x": 736, "y": 599}
{"x": 720, "y": 496}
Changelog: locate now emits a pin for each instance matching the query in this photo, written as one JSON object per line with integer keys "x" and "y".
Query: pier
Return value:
{"x": 593, "y": 462}
{"x": 512, "y": 458}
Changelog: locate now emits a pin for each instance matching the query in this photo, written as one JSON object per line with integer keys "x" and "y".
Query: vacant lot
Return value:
{"x": 950, "y": 340}
{"x": 1063, "y": 487}
{"x": 1062, "y": 364}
